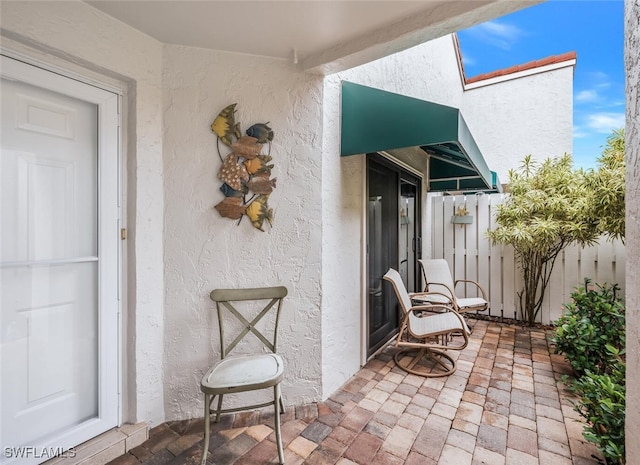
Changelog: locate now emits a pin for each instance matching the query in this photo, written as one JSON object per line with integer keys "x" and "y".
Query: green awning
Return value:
{"x": 445, "y": 176}
{"x": 375, "y": 120}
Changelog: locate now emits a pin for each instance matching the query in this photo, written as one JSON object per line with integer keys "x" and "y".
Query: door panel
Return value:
{"x": 382, "y": 249}
{"x": 58, "y": 261}
{"x": 393, "y": 225}
{"x": 49, "y": 350}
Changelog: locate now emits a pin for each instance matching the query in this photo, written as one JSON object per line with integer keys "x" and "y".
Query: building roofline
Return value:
{"x": 513, "y": 72}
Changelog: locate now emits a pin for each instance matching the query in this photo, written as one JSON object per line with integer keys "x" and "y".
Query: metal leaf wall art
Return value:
{"x": 245, "y": 172}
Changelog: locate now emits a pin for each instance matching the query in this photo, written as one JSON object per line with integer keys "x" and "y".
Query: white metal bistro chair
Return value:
{"x": 245, "y": 372}
{"x": 438, "y": 279}
{"x": 428, "y": 331}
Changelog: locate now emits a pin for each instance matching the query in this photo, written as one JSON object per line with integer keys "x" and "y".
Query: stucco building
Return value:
{"x": 178, "y": 248}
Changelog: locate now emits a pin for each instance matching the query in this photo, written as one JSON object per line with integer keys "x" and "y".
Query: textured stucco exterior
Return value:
{"x": 204, "y": 251}
{"x": 632, "y": 145}
{"x": 509, "y": 122}
{"x": 73, "y": 33}
{"x": 343, "y": 190}
{"x": 503, "y": 119}
{"x": 179, "y": 247}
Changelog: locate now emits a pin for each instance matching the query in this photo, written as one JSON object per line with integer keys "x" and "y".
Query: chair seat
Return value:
{"x": 243, "y": 373}
{"x": 436, "y": 324}
{"x": 471, "y": 302}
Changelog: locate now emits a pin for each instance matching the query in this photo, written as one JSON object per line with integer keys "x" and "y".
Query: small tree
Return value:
{"x": 547, "y": 209}
{"x": 607, "y": 187}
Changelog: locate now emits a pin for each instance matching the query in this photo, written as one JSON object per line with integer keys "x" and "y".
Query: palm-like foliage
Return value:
{"x": 607, "y": 187}
{"x": 548, "y": 208}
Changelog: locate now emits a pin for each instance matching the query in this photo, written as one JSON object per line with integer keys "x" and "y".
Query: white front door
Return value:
{"x": 59, "y": 303}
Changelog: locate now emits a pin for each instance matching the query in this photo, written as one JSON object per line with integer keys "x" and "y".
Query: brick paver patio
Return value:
{"x": 505, "y": 405}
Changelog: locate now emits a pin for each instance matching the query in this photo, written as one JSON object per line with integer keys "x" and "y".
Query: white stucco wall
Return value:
{"x": 179, "y": 248}
{"x": 532, "y": 115}
{"x": 73, "y": 33}
{"x": 429, "y": 72}
{"x": 632, "y": 272}
{"x": 341, "y": 250}
{"x": 203, "y": 250}
{"x": 506, "y": 120}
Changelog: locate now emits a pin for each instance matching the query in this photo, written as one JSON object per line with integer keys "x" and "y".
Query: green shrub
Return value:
{"x": 591, "y": 335}
{"x": 602, "y": 404}
{"x": 593, "y": 320}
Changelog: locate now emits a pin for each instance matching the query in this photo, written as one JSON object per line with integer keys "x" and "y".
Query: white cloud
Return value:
{"x": 600, "y": 79}
{"x": 599, "y": 89}
{"x": 587, "y": 96}
{"x": 468, "y": 60}
{"x": 605, "y": 123}
{"x": 578, "y": 132}
{"x": 498, "y": 34}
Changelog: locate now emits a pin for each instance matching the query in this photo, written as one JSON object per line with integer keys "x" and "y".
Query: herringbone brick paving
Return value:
{"x": 504, "y": 405}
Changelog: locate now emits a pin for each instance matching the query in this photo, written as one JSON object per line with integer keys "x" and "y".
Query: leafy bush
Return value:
{"x": 593, "y": 320}
{"x": 606, "y": 186}
{"x": 548, "y": 208}
{"x": 591, "y": 335}
{"x": 602, "y": 404}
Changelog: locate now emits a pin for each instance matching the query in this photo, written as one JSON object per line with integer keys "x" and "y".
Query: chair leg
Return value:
{"x": 219, "y": 409}
{"x": 207, "y": 427}
{"x": 277, "y": 402}
{"x": 438, "y": 357}
{"x": 282, "y": 410}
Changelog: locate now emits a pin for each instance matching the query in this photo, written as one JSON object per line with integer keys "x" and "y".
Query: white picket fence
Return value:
{"x": 471, "y": 255}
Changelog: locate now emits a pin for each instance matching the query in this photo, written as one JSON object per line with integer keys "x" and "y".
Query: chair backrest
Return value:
{"x": 437, "y": 276}
{"x": 401, "y": 291}
{"x": 225, "y": 298}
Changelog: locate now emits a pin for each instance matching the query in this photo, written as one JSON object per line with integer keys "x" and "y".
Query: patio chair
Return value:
{"x": 247, "y": 371}
{"x": 438, "y": 279}
{"x": 427, "y": 331}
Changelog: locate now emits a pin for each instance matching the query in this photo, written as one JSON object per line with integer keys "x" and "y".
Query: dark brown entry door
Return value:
{"x": 393, "y": 216}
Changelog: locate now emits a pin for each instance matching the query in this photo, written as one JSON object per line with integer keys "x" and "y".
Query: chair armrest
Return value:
{"x": 433, "y": 308}
{"x": 484, "y": 295}
{"x": 418, "y": 295}
{"x": 451, "y": 291}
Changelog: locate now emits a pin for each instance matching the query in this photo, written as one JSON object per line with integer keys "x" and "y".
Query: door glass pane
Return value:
{"x": 393, "y": 225}
{"x": 382, "y": 246}
{"x": 376, "y": 304}
{"x": 408, "y": 241}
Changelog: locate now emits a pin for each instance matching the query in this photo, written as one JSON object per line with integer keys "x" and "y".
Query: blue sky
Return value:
{"x": 591, "y": 28}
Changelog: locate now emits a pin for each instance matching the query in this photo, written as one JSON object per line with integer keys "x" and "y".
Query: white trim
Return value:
{"x": 364, "y": 270}
{"x": 459, "y": 58}
{"x": 403, "y": 165}
{"x": 520, "y": 74}
{"x": 48, "y": 66}
{"x": 110, "y": 307}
